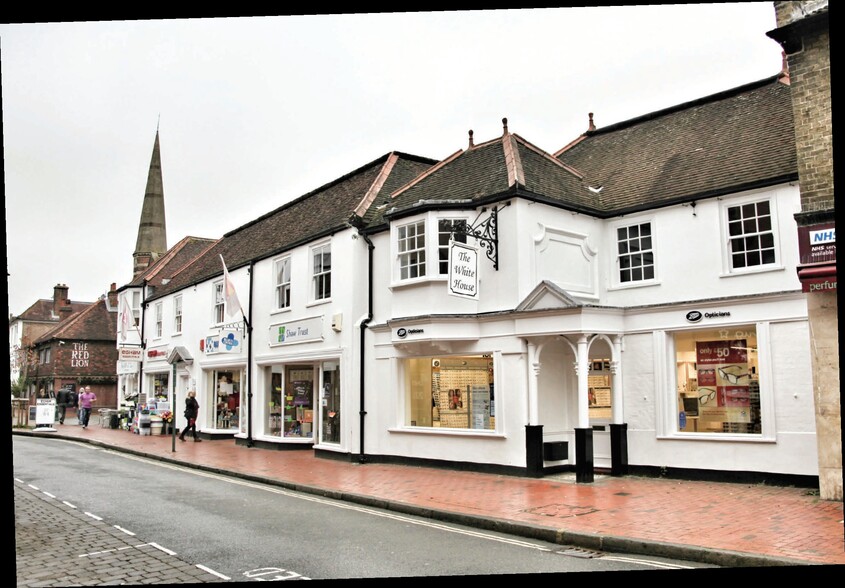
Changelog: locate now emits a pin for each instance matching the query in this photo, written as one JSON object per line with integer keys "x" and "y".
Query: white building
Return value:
{"x": 628, "y": 303}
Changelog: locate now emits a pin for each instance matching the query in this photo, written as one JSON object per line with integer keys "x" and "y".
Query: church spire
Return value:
{"x": 152, "y": 230}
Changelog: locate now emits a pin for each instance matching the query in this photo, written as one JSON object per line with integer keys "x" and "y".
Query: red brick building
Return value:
{"x": 31, "y": 324}
{"x": 80, "y": 351}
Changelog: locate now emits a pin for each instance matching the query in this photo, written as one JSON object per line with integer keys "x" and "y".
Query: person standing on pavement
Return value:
{"x": 86, "y": 403}
{"x": 192, "y": 408}
{"x": 63, "y": 400}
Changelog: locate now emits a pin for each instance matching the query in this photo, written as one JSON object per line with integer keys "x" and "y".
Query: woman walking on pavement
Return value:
{"x": 192, "y": 408}
{"x": 86, "y": 403}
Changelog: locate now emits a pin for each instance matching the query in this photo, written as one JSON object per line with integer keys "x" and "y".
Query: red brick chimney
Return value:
{"x": 60, "y": 299}
{"x": 113, "y": 296}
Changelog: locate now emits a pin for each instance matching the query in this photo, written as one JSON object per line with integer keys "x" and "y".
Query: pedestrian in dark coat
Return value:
{"x": 63, "y": 400}
{"x": 192, "y": 409}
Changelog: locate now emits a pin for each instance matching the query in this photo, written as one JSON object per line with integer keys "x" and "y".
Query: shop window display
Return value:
{"x": 227, "y": 400}
{"x": 330, "y": 403}
{"x": 454, "y": 392}
{"x": 717, "y": 381}
{"x": 160, "y": 389}
{"x": 599, "y": 390}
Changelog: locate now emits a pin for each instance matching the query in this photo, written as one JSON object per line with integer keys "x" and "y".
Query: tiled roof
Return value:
{"x": 94, "y": 323}
{"x": 503, "y": 167}
{"x": 319, "y": 213}
{"x": 174, "y": 260}
{"x": 42, "y": 311}
{"x": 738, "y": 139}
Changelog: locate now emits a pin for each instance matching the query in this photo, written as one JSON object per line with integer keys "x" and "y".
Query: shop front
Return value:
{"x": 301, "y": 402}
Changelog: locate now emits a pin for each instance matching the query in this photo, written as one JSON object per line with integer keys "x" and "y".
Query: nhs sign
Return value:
{"x": 823, "y": 237}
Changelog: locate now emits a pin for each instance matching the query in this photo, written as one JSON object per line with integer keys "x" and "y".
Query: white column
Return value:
{"x": 582, "y": 368}
{"x": 616, "y": 384}
{"x": 533, "y": 376}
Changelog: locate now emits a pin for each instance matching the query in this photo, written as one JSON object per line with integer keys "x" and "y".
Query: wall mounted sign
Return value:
{"x": 225, "y": 342}
{"x": 157, "y": 353}
{"x": 402, "y": 332}
{"x": 817, "y": 243}
{"x": 79, "y": 355}
{"x": 297, "y": 332}
{"x": 695, "y": 316}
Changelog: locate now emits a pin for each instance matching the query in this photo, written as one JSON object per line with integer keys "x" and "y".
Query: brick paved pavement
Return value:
{"x": 57, "y": 545}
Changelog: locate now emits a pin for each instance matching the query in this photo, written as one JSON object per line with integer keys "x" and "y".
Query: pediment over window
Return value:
{"x": 547, "y": 295}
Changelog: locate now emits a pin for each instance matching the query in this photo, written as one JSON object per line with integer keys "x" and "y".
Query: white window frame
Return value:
{"x": 321, "y": 278}
{"x": 618, "y": 279}
{"x": 428, "y": 267}
{"x": 667, "y": 401}
{"x": 218, "y": 303}
{"x": 443, "y": 248}
{"x": 281, "y": 279}
{"x": 177, "y": 315}
{"x": 136, "y": 307}
{"x": 411, "y": 258}
{"x": 728, "y": 268}
{"x": 159, "y": 315}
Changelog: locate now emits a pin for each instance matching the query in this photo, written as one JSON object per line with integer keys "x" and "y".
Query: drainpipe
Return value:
{"x": 143, "y": 342}
{"x": 249, "y": 440}
{"x": 366, "y": 321}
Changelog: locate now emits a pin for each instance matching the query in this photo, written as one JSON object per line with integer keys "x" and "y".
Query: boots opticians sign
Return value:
{"x": 695, "y": 316}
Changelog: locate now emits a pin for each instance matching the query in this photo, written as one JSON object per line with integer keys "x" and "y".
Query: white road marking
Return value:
{"x": 93, "y": 516}
{"x": 160, "y": 548}
{"x": 127, "y": 531}
{"x": 210, "y": 571}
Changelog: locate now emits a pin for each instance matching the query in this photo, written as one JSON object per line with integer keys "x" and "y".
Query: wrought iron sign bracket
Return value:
{"x": 486, "y": 232}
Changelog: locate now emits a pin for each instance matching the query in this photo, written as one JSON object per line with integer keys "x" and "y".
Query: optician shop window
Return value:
{"x": 718, "y": 384}
{"x": 451, "y": 392}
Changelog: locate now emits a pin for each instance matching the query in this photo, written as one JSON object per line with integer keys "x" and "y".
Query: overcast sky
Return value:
{"x": 255, "y": 111}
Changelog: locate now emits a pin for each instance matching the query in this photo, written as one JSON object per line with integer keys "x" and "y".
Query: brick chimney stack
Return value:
{"x": 60, "y": 299}
{"x": 113, "y": 297}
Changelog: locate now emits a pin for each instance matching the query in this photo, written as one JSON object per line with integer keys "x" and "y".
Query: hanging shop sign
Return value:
{"x": 225, "y": 342}
{"x": 463, "y": 270}
{"x": 297, "y": 332}
{"x": 130, "y": 353}
{"x": 125, "y": 368}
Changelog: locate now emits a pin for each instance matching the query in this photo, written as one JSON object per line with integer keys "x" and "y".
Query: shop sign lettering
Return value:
{"x": 463, "y": 270}
{"x": 819, "y": 285}
{"x": 79, "y": 355}
{"x": 694, "y": 316}
{"x": 817, "y": 243}
{"x": 297, "y": 332}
